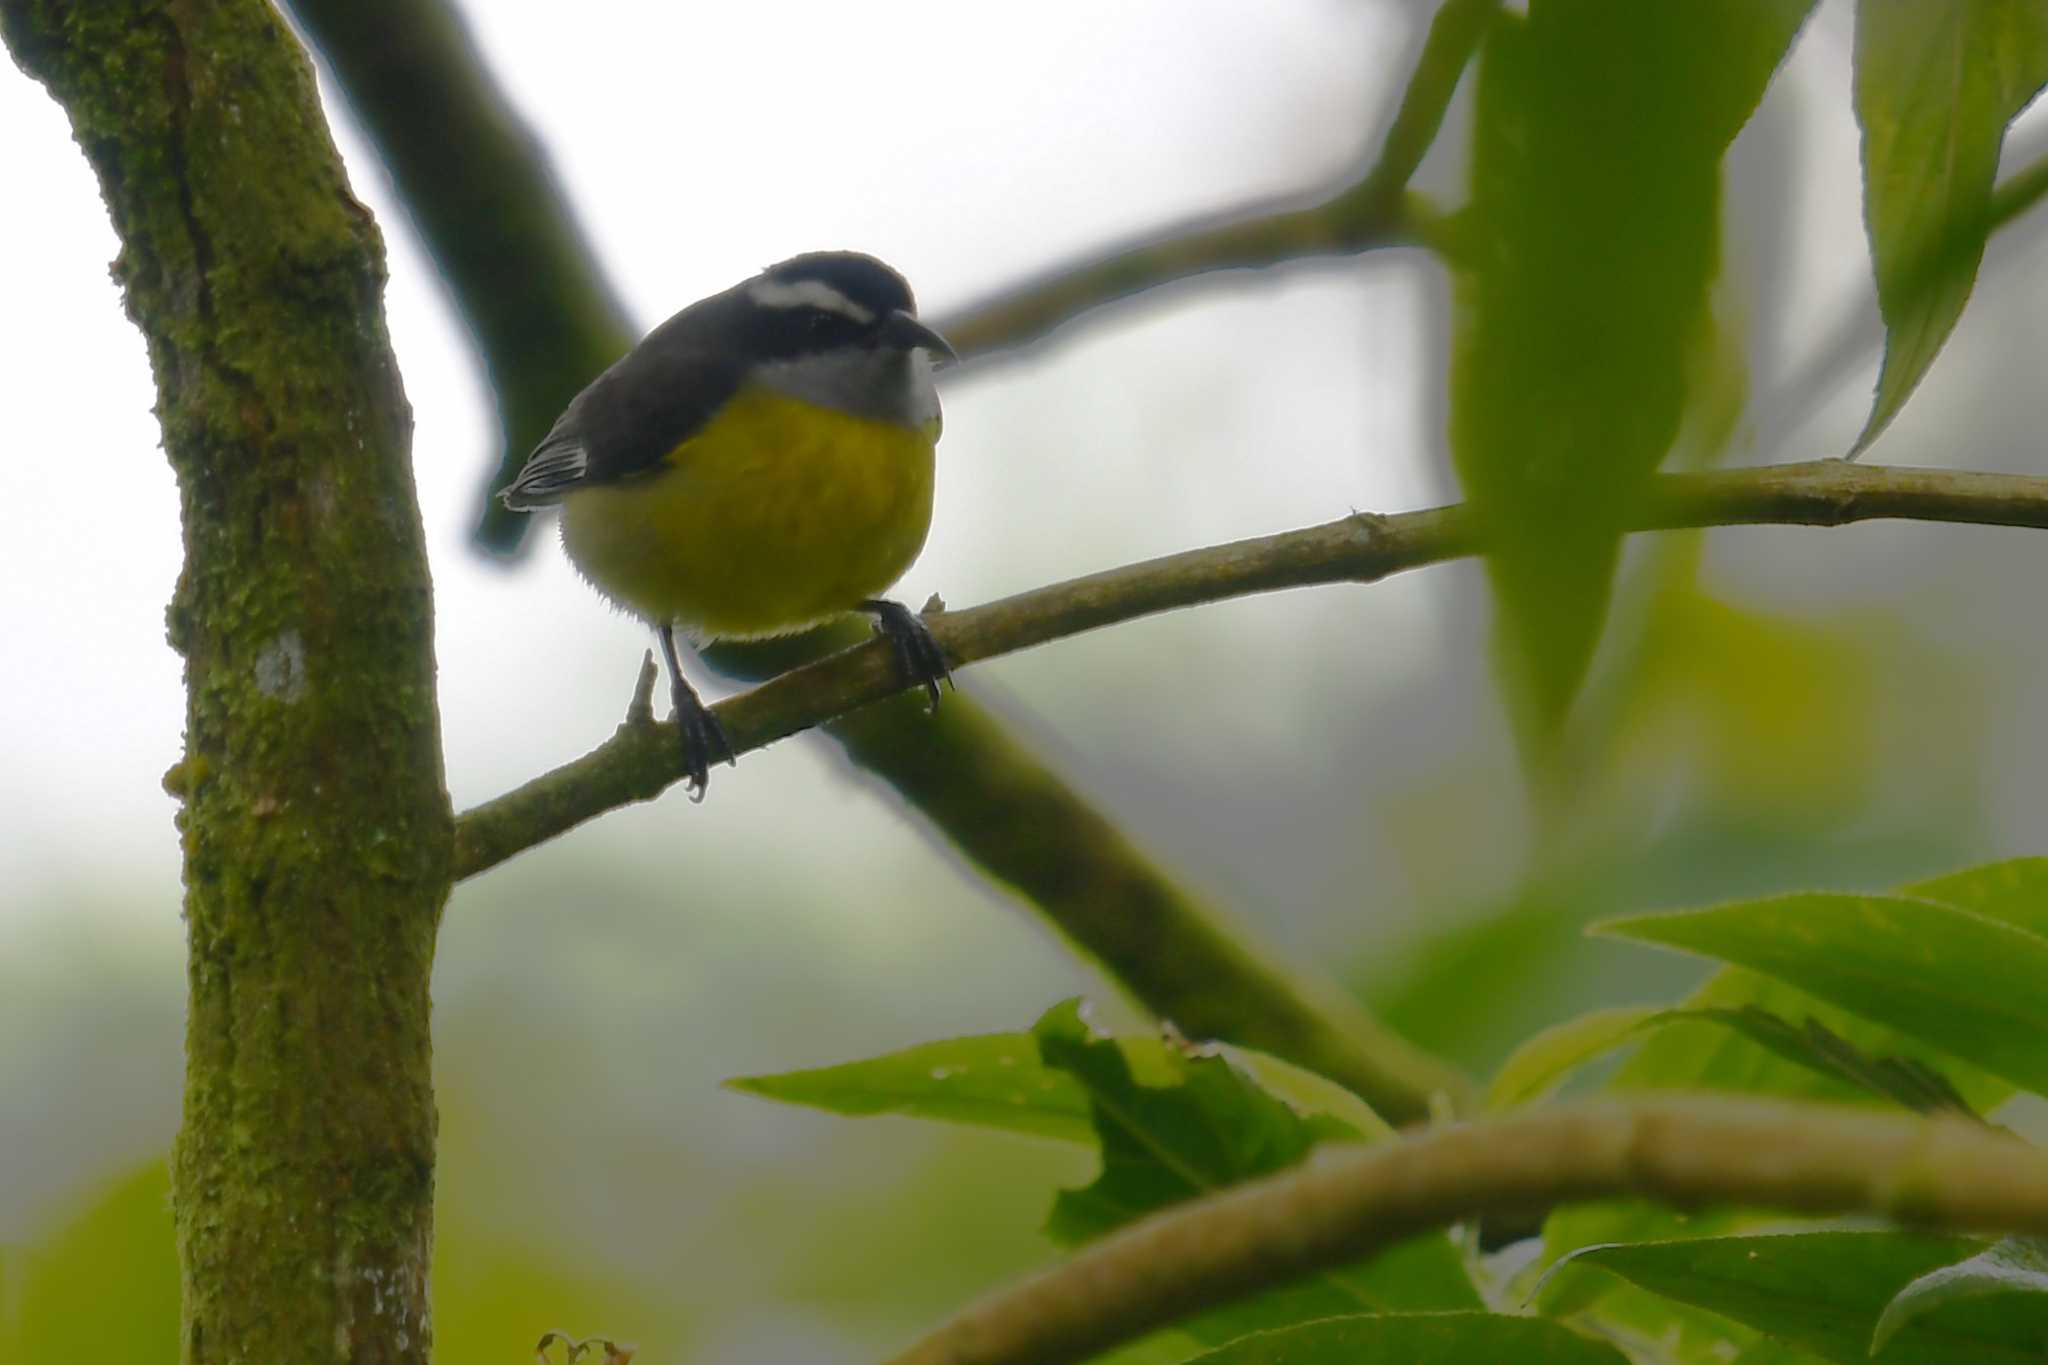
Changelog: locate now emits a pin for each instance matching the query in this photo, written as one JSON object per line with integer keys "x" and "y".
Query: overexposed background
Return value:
{"x": 1330, "y": 766}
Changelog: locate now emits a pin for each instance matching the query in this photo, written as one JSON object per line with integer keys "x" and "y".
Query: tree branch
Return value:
{"x": 479, "y": 189}
{"x": 417, "y": 86}
{"x": 1372, "y": 212}
{"x": 1942, "y": 1173}
{"x": 314, "y": 821}
{"x": 641, "y": 759}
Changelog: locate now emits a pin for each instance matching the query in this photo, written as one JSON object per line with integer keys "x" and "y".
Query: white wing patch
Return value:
{"x": 807, "y": 294}
{"x": 555, "y": 468}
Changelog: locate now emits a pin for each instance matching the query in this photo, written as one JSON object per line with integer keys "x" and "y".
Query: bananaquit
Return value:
{"x": 758, "y": 464}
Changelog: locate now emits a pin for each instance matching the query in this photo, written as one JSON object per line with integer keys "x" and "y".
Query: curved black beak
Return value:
{"x": 903, "y": 330}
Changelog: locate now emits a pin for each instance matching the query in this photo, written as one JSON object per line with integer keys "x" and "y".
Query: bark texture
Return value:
{"x": 316, "y": 829}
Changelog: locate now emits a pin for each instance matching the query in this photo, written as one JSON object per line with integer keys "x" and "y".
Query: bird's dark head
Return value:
{"x": 833, "y": 300}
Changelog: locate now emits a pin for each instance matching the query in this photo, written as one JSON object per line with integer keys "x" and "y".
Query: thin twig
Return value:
{"x": 1942, "y": 1173}
{"x": 1370, "y": 212}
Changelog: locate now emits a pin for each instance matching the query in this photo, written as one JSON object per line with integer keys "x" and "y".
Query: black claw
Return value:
{"x": 704, "y": 742}
{"x": 703, "y": 736}
{"x": 917, "y": 654}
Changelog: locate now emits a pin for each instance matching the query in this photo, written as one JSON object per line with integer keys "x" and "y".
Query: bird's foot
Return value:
{"x": 704, "y": 742}
{"x": 917, "y": 654}
{"x": 703, "y": 737}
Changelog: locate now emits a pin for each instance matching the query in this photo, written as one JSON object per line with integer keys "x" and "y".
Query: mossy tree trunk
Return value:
{"x": 316, "y": 827}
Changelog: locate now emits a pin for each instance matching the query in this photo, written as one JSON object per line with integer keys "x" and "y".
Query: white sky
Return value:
{"x": 960, "y": 144}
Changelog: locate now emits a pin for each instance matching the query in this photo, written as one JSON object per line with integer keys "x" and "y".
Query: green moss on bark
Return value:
{"x": 316, "y": 828}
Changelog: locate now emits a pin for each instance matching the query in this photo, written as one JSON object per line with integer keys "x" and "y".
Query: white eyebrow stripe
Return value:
{"x": 807, "y": 294}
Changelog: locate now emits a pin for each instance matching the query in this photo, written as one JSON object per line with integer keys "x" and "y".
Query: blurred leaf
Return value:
{"x": 1592, "y": 232}
{"x": 492, "y": 1302}
{"x": 1701, "y": 1053}
{"x": 1209, "y": 1127}
{"x": 102, "y": 1287}
{"x": 1683, "y": 1334}
{"x": 1570, "y": 1287}
{"x": 1963, "y": 981}
{"x": 1824, "y": 1292}
{"x": 1774, "y": 714}
{"x": 1545, "y": 1060}
{"x": 2015, "y": 1266}
{"x": 2014, "y": 891}
{"x": 1912, "y": 1083}
{"x": 992, "y": 1081}
{"x": 1937, "y": 81}
{"x": 1417, "y": 1339}
{"x": 1539, "y": 1065}
{"x": 1772, "y": 1352}
{"x": 1694, "y": 1051}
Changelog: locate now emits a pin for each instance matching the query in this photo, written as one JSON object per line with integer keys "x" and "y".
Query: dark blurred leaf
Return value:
{"x": 1545, "y": 1060}
{"x": 993, "y": 1081}
{"x": 1962, "y": 981}
{"x": 1699, "y": 1053}
{"x": 1937, "y": 81}
{"x": 1773, "y": 1352}
{"x": 1417, "y": 1339}
{"x": 2016, "y": 1266}
{"x": 1911, "y": 1082}
{"x": 1539, "y": 1065}
{"x": 1693, "y": 1051}
{"x": 1570, "y": 1287}
{"x": 1211, "y": 1126}
{"x": 1824, "y": 1292}
{"x": 1592, "y": 234}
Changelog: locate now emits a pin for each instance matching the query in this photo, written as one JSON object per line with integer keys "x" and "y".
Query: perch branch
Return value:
{"x": 641, "y": 759}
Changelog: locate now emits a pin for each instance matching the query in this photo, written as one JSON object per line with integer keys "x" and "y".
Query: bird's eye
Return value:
{"x": 823, "y": 323}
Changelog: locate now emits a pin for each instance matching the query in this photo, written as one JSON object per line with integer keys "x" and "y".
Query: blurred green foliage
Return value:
{"x": 1588, "y": 248}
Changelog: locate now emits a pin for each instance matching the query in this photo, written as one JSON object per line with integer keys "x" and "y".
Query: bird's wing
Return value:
{"x": 625, "y": 424}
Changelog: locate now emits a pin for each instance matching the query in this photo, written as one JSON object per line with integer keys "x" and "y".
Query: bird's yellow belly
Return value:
{"x": 779, "y": 515}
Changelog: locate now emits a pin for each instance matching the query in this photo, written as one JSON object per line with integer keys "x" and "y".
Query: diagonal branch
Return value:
{"x": 641, "y": 759}
{"x": 1372, "y": 212}
{"x": 420, "y": 89}
{"x": 1940, "y": 1173}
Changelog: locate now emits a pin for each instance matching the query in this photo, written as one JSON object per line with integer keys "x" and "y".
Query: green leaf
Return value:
{"x": 1540, "y": 1064}
{"x": 2015, "y": 1266}
{"x": 997, "y": 1080}
{"x": 1937, "y": 81}
{"x": 1693, "y": 1052}
{"x": 1824, "y": 1292}
{"x": 1417, "y": 1339}
{"x": 1910, "y": 1082}
{"x": 1209, "y": 1125}
{"x": 1958, "y": 979}
{"x": 2014, "y": 892}
{"x": 992, "y": 1081}
{"x": 1591, "y": 238}
{"x": 1772, "y": 1351}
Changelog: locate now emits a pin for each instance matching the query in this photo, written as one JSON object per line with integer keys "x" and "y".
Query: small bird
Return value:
{"x": 758, "y": 464}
